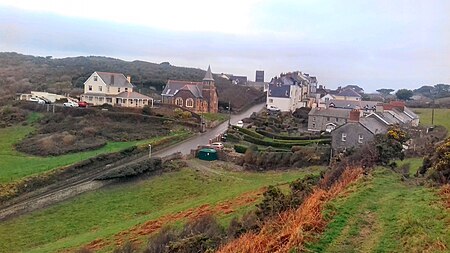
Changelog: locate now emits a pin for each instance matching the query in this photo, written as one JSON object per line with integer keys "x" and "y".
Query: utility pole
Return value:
{"x": 149, "y": 151}
{"x": 432, "y": 114}
{"x": 229, "y": 114}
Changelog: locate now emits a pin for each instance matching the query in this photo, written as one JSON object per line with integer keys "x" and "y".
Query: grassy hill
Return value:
{"x": 132, "y": 211}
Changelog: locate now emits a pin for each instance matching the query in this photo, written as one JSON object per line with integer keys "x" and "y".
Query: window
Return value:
{"x": 118, "y": 89}
{"x": 95, "y": 78}
{"x": 108, "y": 100}
{"x": 179, "y": 101}
{"x": 360, "y": 138}
{"x": 314, "y": 118}
{"x": 270, "y": 100}
{"x": 100, "y": 88}
{"x": 90, "y": 87}
{"x": 126, "y": 89}
{"x": 328, "y": 118}
{"x": 337, "y": 120}
{"x": 189, "y": 102}
{"x": 131, "y": 101}
{"x": 90, "y": 98}
{"x": 344, "y": 137}
{"x": 314, "y": 125}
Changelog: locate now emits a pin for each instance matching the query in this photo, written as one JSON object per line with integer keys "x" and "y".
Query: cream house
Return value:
{"x": 114, "y": 89}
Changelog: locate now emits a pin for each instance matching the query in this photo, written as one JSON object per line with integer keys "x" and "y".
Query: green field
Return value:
{"x": 107, "y": 211}
{"x": 385, "y": 214}
{"x": 15, "y": 165}
{"x": 441, "y": 116}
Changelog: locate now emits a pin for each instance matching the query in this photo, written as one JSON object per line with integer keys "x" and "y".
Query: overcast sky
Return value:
{"x": 380, "y": 43}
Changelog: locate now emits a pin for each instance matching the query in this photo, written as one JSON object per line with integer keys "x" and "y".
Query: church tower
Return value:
{"x": 209, "y": 92}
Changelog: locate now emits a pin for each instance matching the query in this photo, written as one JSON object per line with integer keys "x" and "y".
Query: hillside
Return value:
{"x": 22, "y": 73}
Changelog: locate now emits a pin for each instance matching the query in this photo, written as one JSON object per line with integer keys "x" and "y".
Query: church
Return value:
{"x": 198, "y": 97}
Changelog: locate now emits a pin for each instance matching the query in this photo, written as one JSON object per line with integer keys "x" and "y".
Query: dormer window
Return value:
{"x": 95, "y": 78}
{"x": 118, "y": 89}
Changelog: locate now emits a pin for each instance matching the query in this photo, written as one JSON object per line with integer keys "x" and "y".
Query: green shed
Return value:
{"x": 207, "y": 154}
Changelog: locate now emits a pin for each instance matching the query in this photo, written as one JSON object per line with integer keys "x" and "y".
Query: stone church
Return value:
{"x": 198, "y": 97}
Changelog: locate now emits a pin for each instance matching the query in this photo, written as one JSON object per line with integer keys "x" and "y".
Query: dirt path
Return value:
{"x": 140, "y": 231}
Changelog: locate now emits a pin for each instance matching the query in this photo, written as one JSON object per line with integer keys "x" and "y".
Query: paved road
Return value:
{"x": 202, "y": 139}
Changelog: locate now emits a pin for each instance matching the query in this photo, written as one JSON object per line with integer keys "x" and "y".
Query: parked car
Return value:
{"x": 217, "y": 145}
{"x": 273, "y": 108}
{"x": 240, "y": 123}
{"x": 37, "y": 100}
{"x": 82, "y": 104}
{"x": 70, "y": 104}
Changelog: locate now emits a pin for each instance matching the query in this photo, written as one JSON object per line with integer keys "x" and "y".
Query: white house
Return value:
{"x": 290, "y": 91}
{"x": 114, "y": 89}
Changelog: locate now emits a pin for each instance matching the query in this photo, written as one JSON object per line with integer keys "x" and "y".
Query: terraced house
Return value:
{"x": 114, "y": 89}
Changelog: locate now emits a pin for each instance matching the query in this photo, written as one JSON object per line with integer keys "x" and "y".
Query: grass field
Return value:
{"x": 441, "y": 116}
{"x": 15, "y": 165}
{"x": 107, "y": 211}
{"x": 385, "y": 214}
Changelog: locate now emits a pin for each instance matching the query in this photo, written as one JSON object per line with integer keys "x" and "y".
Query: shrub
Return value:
{"x": 248, "y": 132}
{"x": 186, "y": 115}
{"x": 274, "y": 202}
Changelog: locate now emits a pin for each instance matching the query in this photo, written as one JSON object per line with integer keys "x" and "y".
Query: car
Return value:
{"x": 240, "y": 123}
{"x": 37, "y": 100}
{"x": 70, "y": 104}
{"x": 217, "y": 145}
{"x": 82, "y": 104}
{"x": 273, "y": 108}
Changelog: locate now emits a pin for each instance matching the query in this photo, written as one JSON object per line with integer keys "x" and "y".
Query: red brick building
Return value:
{"x": 195, "y": 96}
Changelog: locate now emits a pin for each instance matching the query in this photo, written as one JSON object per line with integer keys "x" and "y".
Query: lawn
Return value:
{"x": 441, "y": 116}
{"x": 385, "y": 214}
{"x": 15, "y": 165}
{"x": 105, "y": 212}
{"x": 215, "y": 116}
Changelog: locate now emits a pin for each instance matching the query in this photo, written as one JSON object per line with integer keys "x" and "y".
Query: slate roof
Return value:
{"x": 348, "y": 93}
{"x": 347, "y": 104}
{"x": 330, "y": 112}
{"x": 132, "y": 95}
{"x": 279, "y": 91}
{"x": 410, "y": 113}
{"x": 208, "y": 75}
{"x": 114, "y": 79}
{"x": 373, "y": 125}
{"x": 173, "y": 87}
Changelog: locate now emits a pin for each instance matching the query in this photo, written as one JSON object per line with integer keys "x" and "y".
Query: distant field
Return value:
{"x": 105, "y": 212}
{"x": 441, "y": 116}
{"x": 385, "y": 214}
{"x": 15, "y": 165}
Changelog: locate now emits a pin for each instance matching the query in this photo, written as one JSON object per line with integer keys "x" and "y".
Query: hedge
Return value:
{"x": 248, "y": 132}
{"x": 288, "y": 145}
{"x": 283, "y": 137}
{"x": 240, "y": 148}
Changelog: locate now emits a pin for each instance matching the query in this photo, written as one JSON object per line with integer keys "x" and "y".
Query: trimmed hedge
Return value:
{"x": 284, "y": 144}
{"x": 240, "y": 148}
{"x": 283, "y": 137}
{"x": 248, "y": 132}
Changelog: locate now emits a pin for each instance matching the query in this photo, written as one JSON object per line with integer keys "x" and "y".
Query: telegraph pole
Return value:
{"x": 229, "y": 114}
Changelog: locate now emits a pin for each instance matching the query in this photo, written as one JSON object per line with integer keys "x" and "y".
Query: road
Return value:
{"x": 202, "y": 139}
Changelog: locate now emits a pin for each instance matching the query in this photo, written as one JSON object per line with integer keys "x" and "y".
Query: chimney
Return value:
{"x": 129, "y": 78}
{"x": 354, "y": 115}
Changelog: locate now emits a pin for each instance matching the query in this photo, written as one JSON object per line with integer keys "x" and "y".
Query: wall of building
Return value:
{"x": 352, "y": 131}
{"x": 319, "y": 123}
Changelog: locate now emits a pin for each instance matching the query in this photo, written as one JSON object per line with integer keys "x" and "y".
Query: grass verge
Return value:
{"x": 441, "y": 116}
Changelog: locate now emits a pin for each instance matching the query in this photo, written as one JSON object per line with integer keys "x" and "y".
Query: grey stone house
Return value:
{"x": 356, "y": 132}
{"x": 326, "y": 119}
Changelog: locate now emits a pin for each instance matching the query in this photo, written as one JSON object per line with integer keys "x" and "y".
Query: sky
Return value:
{"x": 374, "y": 44}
